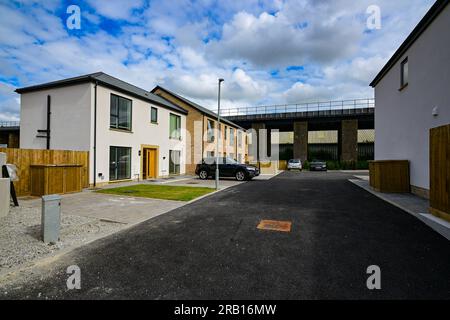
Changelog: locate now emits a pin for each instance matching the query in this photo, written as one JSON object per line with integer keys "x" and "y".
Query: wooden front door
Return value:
{"x": 151, "y": 163}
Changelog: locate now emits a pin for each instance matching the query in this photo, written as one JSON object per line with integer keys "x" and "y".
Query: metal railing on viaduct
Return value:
{"x": 9, "y": 124}
{"x": 303, "y": 110}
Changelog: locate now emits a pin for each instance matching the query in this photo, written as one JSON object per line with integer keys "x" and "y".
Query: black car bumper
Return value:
{"x": 318, "y": 168}
{"x": 253, "y": 173}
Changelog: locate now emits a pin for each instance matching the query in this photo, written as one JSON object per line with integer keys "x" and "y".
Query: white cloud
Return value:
{"x": 187, "y": 46}
{"x": 275, "y": 40}
{"x": 116, "y": 9}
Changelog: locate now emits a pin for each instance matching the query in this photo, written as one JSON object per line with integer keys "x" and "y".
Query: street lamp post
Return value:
{"x": 218, "y": 134}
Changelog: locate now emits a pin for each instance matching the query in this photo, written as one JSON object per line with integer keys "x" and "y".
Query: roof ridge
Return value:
{"x": 196, "y": 105}
{"x": 423, "y": 25}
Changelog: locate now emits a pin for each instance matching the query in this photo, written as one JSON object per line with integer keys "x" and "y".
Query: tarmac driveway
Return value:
{"x": 211, "y": 249}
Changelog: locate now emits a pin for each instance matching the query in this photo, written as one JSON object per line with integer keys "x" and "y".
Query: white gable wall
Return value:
{"x": 70, "y": 118}
{"x": 403, "y": 118}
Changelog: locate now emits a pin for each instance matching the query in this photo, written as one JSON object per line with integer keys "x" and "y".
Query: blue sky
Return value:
{"x": 267, "y": 51}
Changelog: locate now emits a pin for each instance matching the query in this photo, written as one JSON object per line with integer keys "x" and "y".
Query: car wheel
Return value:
{"x": 203, "y": 175}
{"x": 240, "y": 176}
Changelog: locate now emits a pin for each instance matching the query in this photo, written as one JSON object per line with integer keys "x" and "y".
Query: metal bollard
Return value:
{"x": 4, "y": 196}
{"x": 51, "y": 218}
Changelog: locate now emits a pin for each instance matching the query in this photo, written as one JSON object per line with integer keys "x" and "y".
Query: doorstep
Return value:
{"x": 414, "y": 205}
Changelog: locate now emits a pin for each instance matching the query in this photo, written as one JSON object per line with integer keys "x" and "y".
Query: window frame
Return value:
{"x": 239, "y": 138}
{"x": 151, "y": 115}
{"x": 117, "y": 126}
{"x": 116, "y": 177}
{"x": 231, "y": 137}
{"x": 177, "y": 135}
{"x": 173, "y": 165}
{"x": 404, "y": 82}
{"x": 210, "y": 132}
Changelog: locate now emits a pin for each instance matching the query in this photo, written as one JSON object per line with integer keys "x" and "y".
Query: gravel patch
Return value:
{"x": 20, "y": 239}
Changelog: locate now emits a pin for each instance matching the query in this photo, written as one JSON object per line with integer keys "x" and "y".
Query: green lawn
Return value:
{"x": 160, "y": 192}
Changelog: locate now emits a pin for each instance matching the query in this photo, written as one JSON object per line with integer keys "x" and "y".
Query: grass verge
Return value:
{"x": 160, "y": 192}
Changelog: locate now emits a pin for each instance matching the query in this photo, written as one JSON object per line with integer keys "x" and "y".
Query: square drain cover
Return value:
{"x": 283, "y": 226}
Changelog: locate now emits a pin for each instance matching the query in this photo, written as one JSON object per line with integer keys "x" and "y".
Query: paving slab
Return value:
{"x": 116, "y": 208}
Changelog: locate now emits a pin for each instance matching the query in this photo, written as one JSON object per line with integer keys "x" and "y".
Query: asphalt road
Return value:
{"x": 211, "y": 249}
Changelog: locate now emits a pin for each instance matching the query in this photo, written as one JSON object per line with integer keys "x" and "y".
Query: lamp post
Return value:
{"x": 218, "y": 134}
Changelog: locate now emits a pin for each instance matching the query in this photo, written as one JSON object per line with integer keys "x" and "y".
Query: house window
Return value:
{"x": 175, "y": 126}
{"x": 174, "y": 161}
{"x": 119, "y": 163}
{"x": 225, "y": 133}
{"x": 210, "y": 125}
{"x": 120, "y": 113}
{"x": 240, "y": 138}
{"x": 154, "y": 115}
{"x": 404, "y": 73}
{"x": 239, "y": 159}
{"x": 231, "y": 156}
{"x": 231, "y": 137}
{"x": 210, "y": 154}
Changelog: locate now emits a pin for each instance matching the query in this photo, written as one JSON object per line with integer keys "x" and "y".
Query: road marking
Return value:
{"x": 282, "y": 226}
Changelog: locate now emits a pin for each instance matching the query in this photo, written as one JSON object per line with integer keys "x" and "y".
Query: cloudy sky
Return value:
{"x": 268, "y": 52}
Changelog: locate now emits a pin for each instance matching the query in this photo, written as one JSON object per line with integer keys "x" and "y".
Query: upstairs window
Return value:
{"x": 231, "y": 137}
{"x": 210, "y": 131}
{"x": 175, "y": 126}
{"x": 404, "y": 74}
{"x": 120, "y": 113}
{"x": 154, "y": 115}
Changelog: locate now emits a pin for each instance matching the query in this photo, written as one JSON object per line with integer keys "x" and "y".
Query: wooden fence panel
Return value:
{"x": 440, "y": 171}
{"x": 389, "y": 175}
{"x": 24, "y": 158}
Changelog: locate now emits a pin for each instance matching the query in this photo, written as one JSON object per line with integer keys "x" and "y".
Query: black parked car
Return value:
{"x": 227, "y": 168}
{"x": 318, "y": 165}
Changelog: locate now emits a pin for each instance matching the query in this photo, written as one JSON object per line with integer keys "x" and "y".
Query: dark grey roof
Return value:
{"x": 429, "y": 17}
{"x": 197, "y": 106}
{"x": 110, "y": 82}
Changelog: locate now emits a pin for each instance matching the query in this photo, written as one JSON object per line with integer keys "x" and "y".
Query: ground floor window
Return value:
{"x": 174, "y": 161}
{"x": 119, "y": 163}
{"x": 239, "y": 159}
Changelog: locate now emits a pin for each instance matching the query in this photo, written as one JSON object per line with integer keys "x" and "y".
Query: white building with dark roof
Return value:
{"x": 129, "y": 132}
{"x": 412, "y": 95}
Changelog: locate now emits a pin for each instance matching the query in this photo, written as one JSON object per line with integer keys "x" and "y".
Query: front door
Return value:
{"x": 151, "y": 162}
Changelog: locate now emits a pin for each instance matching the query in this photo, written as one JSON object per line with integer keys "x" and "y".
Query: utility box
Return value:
{"x": 4, "y": 196}
{"x": 51, "y": 218}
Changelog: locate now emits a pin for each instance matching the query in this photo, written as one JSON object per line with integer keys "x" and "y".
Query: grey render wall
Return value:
{"x": 70, "y": 125}
{"x": 403, "y": 118}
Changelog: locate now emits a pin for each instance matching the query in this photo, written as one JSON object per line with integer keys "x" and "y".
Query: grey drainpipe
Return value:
{"x": 48, "y": 120}
{"x": 95, "y": 134}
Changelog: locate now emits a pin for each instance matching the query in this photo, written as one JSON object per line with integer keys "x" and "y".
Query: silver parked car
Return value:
{"x": 294, "y": 164}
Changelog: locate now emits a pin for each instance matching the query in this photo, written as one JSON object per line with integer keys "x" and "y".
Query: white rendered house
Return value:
{"x": 130, "y": 133}
{"x": 412, "y": 95}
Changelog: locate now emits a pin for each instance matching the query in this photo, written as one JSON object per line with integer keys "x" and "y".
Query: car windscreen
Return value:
{"x": 294, "y": 161}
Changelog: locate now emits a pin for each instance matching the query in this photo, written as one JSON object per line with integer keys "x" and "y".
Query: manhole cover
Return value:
{"x": 282, "y": 226}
